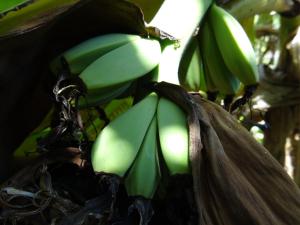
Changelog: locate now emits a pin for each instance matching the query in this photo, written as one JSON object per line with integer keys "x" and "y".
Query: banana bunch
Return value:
{"x": 118, "y": 144}
{"x": 227, "y": 58}
{"x": 131, "y": 146}
{"x": 108, "y": 64}
{"x": 128, "y": 146}
{"x": 231, "y": 49}
{"x": 217, "y": 74}
{"x": 234, "y": 45}
{"x": 83, "y": 54}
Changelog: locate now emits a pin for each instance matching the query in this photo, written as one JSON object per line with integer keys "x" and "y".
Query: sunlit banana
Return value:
{"x": 118, "y": 144}
{"x": 83, "y": 54}
{"x": 234, "y": 45}
{"x": 144, "y": 175}
{"x": 122, "y": 64}
{"x": 191, "y": 67}
{"x": 225, "y": 82}
{"x": 173, "y": 136}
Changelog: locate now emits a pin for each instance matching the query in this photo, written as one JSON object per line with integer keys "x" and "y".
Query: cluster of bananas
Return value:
{"x": 130, "y": 145}
{"x": 220, "y": 59}
{"x": 108, "y": 64}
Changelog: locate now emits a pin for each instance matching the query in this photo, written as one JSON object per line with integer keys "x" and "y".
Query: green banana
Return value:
{"x": 118, "y": 144}
{"x": 122, "y": 64}
{"x": 102, "y": 96}
{"x": 225, "y": 82}
{"x": 234, "y": 45}
{"x": 144, "y": 175}
{"x": 191, "y": 67}
{"x": 83, "y": 54}
{"x": 173, "y": 136}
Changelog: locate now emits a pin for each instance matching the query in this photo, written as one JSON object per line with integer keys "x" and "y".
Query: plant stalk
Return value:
{"x": 179, "y": 19}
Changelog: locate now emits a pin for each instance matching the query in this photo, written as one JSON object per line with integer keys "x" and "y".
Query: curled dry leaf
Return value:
{"x": 236, "y": 180}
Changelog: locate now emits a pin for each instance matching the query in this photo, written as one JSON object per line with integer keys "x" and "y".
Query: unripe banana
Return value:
{"x": 118, "y": 144}
{"x": 144, "y": 175}
{"x": 173, "y": 136}
{"x": 191, "y": 67}
{"x": 122, "y": 64}
{"x": 234, "y": 45}
{"x": 225, "y": 82}
{"x": 83, "y": 54}
{"x": 102, "y": 96}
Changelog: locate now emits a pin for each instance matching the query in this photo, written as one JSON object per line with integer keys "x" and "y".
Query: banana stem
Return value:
{"x": 241, "y": 9}
{"x": 179, "y": 19}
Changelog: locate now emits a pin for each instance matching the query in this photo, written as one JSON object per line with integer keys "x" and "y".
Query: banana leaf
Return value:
{"x": 28, "y": 15}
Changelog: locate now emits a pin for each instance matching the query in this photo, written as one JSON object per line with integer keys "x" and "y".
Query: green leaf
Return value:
{"x": 32, "y": 15}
